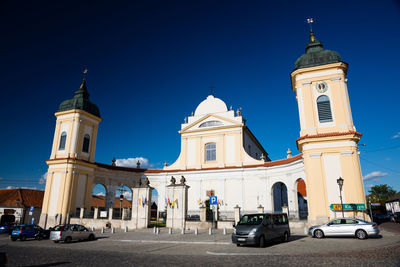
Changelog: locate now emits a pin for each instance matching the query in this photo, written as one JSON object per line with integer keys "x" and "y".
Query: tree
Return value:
{"x": 380, "y": 194}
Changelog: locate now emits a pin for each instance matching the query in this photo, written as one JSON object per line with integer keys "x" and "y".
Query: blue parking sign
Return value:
{"x": 213, "y": 200}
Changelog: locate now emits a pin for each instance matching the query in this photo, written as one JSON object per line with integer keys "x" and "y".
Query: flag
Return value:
{"x": 140, "y": 202}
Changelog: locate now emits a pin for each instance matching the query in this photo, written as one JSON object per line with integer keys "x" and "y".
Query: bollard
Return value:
{"x": 183, "y": 231}
{"x": 196, "y": 231}
{"x": 209, "y": 231}
{"x": 154, "y": 230}
{"x": 224, "y": 231}
{"x": 113, "y": 230}
{"x": 157, "y": 230}
{"x": 126, "y": 229}
{"x": 170, "y": 231}
{"x": 102, "y": 230}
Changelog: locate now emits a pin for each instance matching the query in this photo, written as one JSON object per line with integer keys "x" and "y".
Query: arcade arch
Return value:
{"x": 279, "y": 196}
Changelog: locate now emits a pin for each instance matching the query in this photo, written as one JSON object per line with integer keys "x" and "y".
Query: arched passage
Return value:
{"x": 123, "y": 203}
{"x": 154, "y": 206}
{"x": 99, "y": 193}
{"x": 302, "y": 199}
{"x": 279, "y": 195}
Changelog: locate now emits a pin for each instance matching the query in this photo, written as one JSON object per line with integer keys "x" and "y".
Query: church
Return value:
{"x": 221, "y": 157}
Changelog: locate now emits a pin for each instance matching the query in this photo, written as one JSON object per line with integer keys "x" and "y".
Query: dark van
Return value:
{"x": 256, "y": 229}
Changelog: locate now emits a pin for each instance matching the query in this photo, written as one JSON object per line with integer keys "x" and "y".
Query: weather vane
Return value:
{"x": 211, "y": 89}
{"x": 310, "y": 21}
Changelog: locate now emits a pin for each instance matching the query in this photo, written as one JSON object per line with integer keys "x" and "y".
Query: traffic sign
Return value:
{"x": 347, "y": 206}
{"x": 213, "y": 200}
{"x": 375, "y": 204}
{"x": 31, "y": 210}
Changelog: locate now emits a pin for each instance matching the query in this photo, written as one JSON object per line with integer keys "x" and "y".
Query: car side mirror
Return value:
{"x": 233, "y": 224}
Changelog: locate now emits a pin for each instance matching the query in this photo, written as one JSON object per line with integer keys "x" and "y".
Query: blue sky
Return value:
{"x": 150, "y": 64}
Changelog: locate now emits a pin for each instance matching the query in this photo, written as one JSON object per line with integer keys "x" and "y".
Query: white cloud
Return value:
{"x": 43, "y": 178}
{"x": 396, "y": 135}
{"x": 374, "y": 175}
{"x": 101, "y": 194}
{"x": 132, "y": 162}
{"x": 369, "y": 185}
{"x": 22, "y": 187}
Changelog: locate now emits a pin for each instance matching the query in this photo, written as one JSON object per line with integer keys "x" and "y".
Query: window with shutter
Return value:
{"x": 324, "y": 109}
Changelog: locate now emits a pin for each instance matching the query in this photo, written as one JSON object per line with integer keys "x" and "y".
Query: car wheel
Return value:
{"x": 319, "y": 234}
{"x": 22, "y": 238}
{"x": 13, "y": 238}
{"x": 91, "y": 237}
{"x": 238, "y": 245}
{"x": 361, "y": 234}
{"x": 285, "y": 237}
{"x": 68, "y": 239}
{"x": 262, "y": 241}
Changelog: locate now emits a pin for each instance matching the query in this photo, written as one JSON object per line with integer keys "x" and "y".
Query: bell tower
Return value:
{"x": 328, "y": 138}
{"x": 71, "y": 163}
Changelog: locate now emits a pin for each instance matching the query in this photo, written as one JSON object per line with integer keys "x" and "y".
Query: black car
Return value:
{"x": 396, "y": 217}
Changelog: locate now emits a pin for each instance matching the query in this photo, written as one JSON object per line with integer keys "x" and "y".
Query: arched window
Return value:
{"x": 86, "y": 142}
{"x": 63, "y": 139}
{"x": 210, "y": 123}
{"x": 211, "y": 152}
{"x": 324, "y": 109}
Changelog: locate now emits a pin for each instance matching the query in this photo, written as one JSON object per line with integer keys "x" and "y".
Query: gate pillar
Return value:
{"x": 141, "y": 205}
{"x": 177, "y": 197}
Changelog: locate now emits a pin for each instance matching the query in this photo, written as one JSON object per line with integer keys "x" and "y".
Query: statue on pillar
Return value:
{"x": 173, "y": 180}
{"x": 183, "y": 180}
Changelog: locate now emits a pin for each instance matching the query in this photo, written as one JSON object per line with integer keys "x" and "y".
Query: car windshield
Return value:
{"x": 254, "y": 219}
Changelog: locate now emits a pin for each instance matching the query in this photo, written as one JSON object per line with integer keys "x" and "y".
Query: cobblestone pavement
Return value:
{"x": 142, "y": 247}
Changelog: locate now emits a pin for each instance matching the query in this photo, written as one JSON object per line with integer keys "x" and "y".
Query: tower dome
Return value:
{"x": 316, "y": 55}
{"x": 80, "y": 101}
{"x": 211, "y": 105}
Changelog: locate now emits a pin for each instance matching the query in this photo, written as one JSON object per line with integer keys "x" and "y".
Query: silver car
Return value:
{"x": 69, "y": 232}
{"x": 345, "y": 227}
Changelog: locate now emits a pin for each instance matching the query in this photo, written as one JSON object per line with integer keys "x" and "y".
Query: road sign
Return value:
{"x": 31, "y": 210}
{"x": 347, "y": 206}
{"x": 375, "y": 204}
{"x": 213, "y": 200}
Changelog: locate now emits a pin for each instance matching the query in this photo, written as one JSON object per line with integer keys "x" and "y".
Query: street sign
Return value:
{"x": 347, "y": 207}
{"x": 31, "y": 210}
{"x": 375, "y": 204}
{"x": 213, "y": 200}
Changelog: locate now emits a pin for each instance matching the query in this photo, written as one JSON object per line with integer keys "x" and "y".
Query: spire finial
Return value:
{"x": 211, "y": 87}
{"x": 310, "y": 21}
{"x": 84, "y": 72}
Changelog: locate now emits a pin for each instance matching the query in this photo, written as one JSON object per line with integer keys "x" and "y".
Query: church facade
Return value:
{"x": 221, "y": 157}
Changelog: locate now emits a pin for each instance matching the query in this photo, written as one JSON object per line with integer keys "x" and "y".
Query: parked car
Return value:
{"x": 256, "y": 229}
{"x": 70, "y": 232}
{"x": 395, "y": 217}
{"x": 7, "y": 228}
{"x": 24, "y": 231}
{"x": 345, "y": 227}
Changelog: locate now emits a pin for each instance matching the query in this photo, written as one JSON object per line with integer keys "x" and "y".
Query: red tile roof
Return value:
{"x": 328, "y": 134}
{"x": 26, "y": 198}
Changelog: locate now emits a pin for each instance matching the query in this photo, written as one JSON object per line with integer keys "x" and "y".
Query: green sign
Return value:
{"x": 347, "y": 207}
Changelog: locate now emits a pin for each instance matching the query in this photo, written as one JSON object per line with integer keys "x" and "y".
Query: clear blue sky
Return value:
{"x": 151, "y": 62}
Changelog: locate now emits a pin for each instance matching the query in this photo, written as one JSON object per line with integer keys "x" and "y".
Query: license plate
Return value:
{"x": 241, "y": 239}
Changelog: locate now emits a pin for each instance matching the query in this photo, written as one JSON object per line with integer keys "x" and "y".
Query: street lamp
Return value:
{"x": 340, "y": 183}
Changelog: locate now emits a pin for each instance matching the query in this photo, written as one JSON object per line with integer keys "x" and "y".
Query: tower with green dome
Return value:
{"x": 328, "y": 138}
{"x": 71, "y": 163}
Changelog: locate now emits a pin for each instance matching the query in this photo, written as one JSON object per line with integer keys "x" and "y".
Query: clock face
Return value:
{"x": 321, "y": 87}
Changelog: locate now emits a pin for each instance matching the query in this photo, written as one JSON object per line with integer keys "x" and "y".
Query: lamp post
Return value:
{"x": 340, "y": 183}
